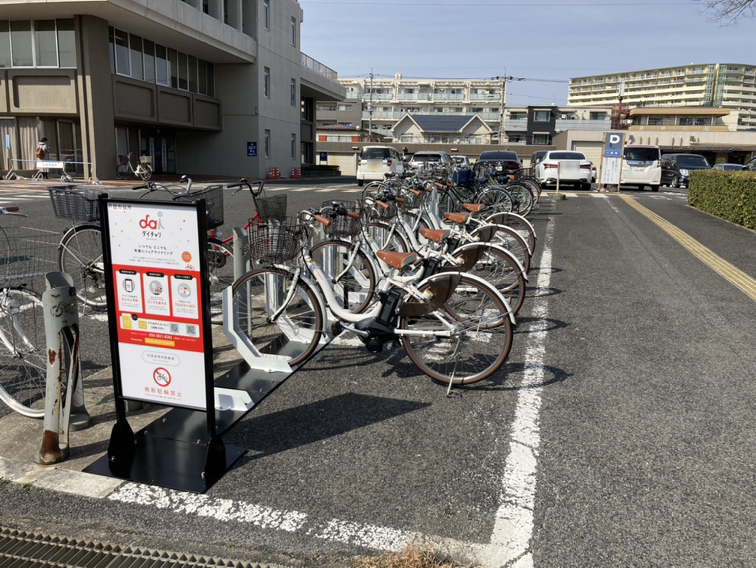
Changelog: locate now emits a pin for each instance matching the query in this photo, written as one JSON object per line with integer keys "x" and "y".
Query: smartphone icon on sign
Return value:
{"x": 128, "y": 285}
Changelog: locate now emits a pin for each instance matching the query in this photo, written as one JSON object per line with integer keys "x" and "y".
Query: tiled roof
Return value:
{"x": 441, "y": 123}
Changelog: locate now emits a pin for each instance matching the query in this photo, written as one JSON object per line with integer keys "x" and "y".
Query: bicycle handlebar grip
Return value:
{"x": 148, "y": 186}
{"x": 326, "y": 222}
{"x": 353, "y": 214}
{"x": 12, "y": 209}
{"x": 382, "y": 203}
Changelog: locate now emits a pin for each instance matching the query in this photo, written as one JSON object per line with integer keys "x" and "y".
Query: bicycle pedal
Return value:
{"x": 336, "y": 328}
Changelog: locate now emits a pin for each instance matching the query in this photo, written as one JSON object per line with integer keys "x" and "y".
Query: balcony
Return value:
{"x": 520, "y": 124}
{"x": 605, "y": 124}
{"x": 448, "y": 97}
{"x": 493, "y": 97}
{"x": 320, "y": 81}
{"x": 414, "y": 96}
{"x": 383, "y": 115}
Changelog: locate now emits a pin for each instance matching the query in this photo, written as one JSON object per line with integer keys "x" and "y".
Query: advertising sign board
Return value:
{"x": 155, "y": 261}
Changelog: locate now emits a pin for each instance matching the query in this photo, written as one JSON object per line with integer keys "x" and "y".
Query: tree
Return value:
{"x": 728, "y": 11}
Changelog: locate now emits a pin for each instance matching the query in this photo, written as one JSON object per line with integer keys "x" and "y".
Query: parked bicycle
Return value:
{"x": 124, "y": 169}
{"x": 26, "y": 254}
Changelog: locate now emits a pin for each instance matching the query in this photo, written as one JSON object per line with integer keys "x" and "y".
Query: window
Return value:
{"x": 293, "y": 146}
{"x": 597, "y": 116}
{"x": 192, "y": 63}
{"x": 173, "y": 67}
{"x": 267, "y": 144}
{"x": 542, "y": 116}
{"x": 135, "y": 56}
{"x": 149, "y": 61}
{"x": 183, "y": 82}
{"x": 5, "y": 53}
{"x": 266, "y": 82}
{"x": 266, "y": 14}
{"x": 121, "y": 41}
{"x": 543, "y": 139}
{"x": 161, "y": 65}
{"x": 45, "y": 44}
{"x": 293, "y": 31}
{"x": 21, "y": 40}
{"x": 293, "y": 92}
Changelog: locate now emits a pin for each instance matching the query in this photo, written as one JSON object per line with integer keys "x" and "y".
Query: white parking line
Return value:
{"x": 513, "y": 527}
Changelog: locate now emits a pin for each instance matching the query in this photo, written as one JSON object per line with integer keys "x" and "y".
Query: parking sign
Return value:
{"x": 613, "y": 144}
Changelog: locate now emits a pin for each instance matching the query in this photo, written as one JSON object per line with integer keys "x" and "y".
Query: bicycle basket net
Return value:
{"x": 275, "y": 241}
{"x": 26, "y": 253}
{"x": 213, "y": 196}
{"x": 342, "y": 225}
{"x": 272, "y": 207}
{"x": 75, "y": 204}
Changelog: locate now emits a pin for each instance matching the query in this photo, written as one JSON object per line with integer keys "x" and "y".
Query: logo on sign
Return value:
{"x": 153, "y": 224}
{"x": 615, "y": 139}
{"x": 162, "y": 377}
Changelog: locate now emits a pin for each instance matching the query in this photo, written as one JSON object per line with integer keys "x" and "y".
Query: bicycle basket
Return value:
{"x": 145, "y": 159}
{"x": 275, "y": 241}
{"x": 213, "y": 196}
{"x": 342, "y": 225}
{"x": 75, "y": 204}
{"x": 272, "y": 207}
{"x": 26, "y": 253}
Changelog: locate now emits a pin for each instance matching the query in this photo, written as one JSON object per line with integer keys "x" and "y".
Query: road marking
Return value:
{"x": 729, "y": 272}
{"x": 513, "y": 526}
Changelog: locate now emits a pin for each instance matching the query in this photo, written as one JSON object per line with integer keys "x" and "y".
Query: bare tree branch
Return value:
{"x": 729, "y": 11}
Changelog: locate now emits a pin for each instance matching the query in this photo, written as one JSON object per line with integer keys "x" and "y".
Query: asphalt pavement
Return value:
{"x": 620, "y": 431}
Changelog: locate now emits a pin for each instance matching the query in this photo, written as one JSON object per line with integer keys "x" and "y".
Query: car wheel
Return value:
{"x": 675, "y": 182}
{"x": 360, "y": 182}
{"x": 654, "y": 188}
{"x": 585, "y": 186}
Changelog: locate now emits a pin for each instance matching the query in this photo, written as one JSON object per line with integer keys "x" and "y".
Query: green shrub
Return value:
{"x": 729, "y": 195}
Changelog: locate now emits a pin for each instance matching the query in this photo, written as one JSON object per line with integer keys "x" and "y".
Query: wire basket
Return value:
{"x": 272, "y": 207}
{"x": 274, "y": 241}
{"x": 376, "y": 212}
{"x": 342, "y": 225}
{"x": 26, "y": 253}
{"x": 524, "y": 173}
{"x": 75, "y": 204}
{"x": 213, "y": 196}
{"x": 145, "y": 159}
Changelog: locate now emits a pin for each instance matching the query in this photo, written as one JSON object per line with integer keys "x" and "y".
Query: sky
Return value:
{"x": 542, "y": 42}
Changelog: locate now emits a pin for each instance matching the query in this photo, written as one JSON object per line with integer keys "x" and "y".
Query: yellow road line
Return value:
{"x": 732, "y": 274}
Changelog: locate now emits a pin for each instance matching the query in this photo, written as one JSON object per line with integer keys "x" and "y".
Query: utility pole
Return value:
{"x": 503, "y": 78}
{"x": 370, "y": 109}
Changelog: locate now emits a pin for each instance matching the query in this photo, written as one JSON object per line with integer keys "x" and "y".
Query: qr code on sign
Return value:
{"x": 191, "y": 330}
{"x": 174, "y": 328}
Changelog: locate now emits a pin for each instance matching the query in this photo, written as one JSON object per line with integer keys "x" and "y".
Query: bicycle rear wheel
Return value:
{"x": 80, "y": 255}
{"x": 220, "y": 264}
{"x": 23, "y": 367}
{"x": 481, "y": 336}
{"x": 123, "y": 171}
{"x": 522, "y": 198}
{"x": 145, "y": 172}
{"x": 296, "y": 331}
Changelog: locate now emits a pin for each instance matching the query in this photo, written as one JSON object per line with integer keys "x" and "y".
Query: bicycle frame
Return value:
{"x": 5, "y": 306}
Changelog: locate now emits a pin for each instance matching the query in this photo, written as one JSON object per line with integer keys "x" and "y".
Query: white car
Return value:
{"x": 460, "y": 161}
{"x": 422, "y": 160}
{"x": 376, "y": 162}
{"x": 570, "y": 167}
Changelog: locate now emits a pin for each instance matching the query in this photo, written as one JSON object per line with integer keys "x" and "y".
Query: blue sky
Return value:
{"x": 542, "y": 39}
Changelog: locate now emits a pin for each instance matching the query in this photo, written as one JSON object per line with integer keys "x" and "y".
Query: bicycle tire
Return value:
{"x": 146, "y": 172}
{"x": 360, "y": 280}
{"x": 495, "y": 199}
{"x": 517, "y": 223}
{"x": 80, "y": 255}
{"x": 123, "y": 171}
{"x": 23, "y": 365}
{"x": 296, "y": 333}
{"x": 511, "y": 240}
{"x": 482, "y": 327}
{"x": 522, "y": 198}
{"x": 498, "y": 267}
{"x": 386, "y": 239}
{"x": 220, "y": 271}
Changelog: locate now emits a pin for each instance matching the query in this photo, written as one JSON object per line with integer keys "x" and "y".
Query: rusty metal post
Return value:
{"x": 64, "y": 402}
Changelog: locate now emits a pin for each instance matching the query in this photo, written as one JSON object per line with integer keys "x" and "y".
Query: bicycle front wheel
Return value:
{"x": 480, "y": 340}
{"x": 23, "y": 368}
{"x": 145, "y": 172}
{"x": 123, "y": 171}
{"x": 278, "y": 315}
{"x": 522, "y": 198}
{"x": 349, "y": 271}
{"x": 80, "y": 255}
{"x": 220, "y": 265}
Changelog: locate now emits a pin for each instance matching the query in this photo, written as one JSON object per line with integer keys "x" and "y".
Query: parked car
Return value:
{"x": 728, "y": 167}
{"x": 424, "y": 159}
{"x": 377, "y": 161}
{"x": 460, "y": 161}
{"x": 573, "y": 169}
{"x": 536, "y": 157}
{"x": 676, "y": 168}
{"x": 501, "y": 160}
{"x": 750, "y": 166}
{"x": 641, "y": 166}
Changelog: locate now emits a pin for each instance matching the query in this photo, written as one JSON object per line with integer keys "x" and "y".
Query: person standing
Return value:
{"x": 42, "y": 153}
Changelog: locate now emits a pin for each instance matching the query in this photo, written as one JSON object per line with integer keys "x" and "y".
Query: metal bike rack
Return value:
{"x": 64, "y": 400}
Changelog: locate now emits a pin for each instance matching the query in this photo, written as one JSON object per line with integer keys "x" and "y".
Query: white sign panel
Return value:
{"x": 154, "y": 249}
{"x": 610, "y": 170}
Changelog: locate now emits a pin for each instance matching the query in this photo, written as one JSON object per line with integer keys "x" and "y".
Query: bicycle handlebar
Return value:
{"x": 243, "y": 182}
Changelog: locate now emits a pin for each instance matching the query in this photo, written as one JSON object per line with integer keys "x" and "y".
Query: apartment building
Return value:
{"x": 718, "y": 85}
{"x": 214, "y": 87}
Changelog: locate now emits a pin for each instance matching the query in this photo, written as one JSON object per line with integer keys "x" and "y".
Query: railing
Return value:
{"x": 485, "y": 96}
{"x": 578, "y": 124}
{"x": 516, "y": 124}
{"x": 318, "y": 67}
{"x": 414, "y": 96}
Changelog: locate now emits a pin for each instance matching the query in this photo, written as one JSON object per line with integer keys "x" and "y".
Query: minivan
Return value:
{"x": 641, "y": 166}
{"x": 375, "y": 162}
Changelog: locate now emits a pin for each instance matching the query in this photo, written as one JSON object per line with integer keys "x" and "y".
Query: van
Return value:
{"x": 376, "y": 162}
{"x": 641, "y": 166}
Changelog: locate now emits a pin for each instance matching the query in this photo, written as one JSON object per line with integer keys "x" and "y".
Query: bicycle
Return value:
{"x": 124, "y": 169}
{"x": 24, "y": 253}
{"x": 455, "y": 327}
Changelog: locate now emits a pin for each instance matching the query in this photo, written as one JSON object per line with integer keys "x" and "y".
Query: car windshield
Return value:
{"x": 426, "y": 158}
{"x": 458, "y": 159}
{"x": 692, "y": 161}
{"x": 498, "y": 156}
{"x": 566, "y": 156}
{"x": 642, "y": 154}
{"x": 375, "y": 153}
{"x": 732, "y": 167}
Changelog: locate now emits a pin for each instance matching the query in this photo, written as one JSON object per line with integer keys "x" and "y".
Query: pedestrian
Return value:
{"x": 41, "y": 154}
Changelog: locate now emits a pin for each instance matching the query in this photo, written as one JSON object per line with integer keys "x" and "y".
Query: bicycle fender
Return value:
{"x": 441, "y": 286}
{"x": 471, "y": 253}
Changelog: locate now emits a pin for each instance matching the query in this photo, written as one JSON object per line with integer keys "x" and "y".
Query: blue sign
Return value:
{"x": 252, "y": 149}
{"x": 613, "y": 144}
{"x": 324, "y": 156}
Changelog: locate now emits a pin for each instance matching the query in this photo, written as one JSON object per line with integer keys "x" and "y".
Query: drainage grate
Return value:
{"x": 21, "y": 549}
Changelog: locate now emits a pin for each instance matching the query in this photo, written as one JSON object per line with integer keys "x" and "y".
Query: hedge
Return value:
{"x": 729, "y": 195}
